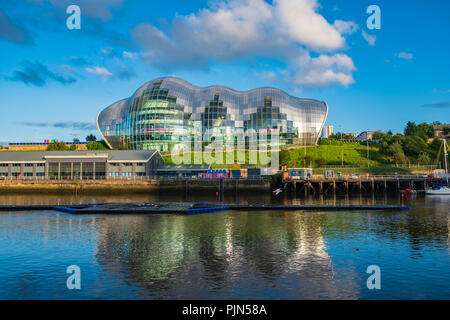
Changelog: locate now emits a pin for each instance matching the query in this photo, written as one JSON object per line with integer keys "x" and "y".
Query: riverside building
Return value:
{"x": 79, "y": 165}
{"x": 155, "y": 115}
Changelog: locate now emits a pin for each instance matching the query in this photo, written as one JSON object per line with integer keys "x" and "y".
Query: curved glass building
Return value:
{"x": 161, "y": 111}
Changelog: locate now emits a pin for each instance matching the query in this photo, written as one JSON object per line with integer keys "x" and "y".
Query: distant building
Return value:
{"x": 365, "y": 135}
{"x": 327, "y": 131}
{"x": 345, "y": 136}
{"x": 438, "y": 130}
{"x": 79, "y": 165}
{"x": 41, "y": 146}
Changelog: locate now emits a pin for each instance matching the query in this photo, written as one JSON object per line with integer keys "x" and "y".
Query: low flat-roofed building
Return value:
{"x": 186, "y": 171}
{"x": 79, "y": 165}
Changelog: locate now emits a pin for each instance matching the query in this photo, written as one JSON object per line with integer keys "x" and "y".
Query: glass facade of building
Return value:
{"x": 157, "y": 114}
{"x": 155, "y": 119}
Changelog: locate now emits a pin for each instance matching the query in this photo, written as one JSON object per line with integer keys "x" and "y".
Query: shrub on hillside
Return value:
{"x": 97, "y": 146}
{"x": 57, "y": 146}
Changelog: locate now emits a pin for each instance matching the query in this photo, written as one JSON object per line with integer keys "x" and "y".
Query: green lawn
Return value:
{"x": 354, "y": 154}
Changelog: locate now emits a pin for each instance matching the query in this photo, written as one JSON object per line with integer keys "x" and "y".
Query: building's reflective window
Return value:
{"x": 88, "y": 170}
{"x": 76, "y": 174}
{"x": 216, "y": 117}
{"x": 65, "y": 170}
{"x": 269, "y": 118}
{"x": 53, "y": 170}
{"x": 155, "y": 116}
{"x": 100, "y": 170}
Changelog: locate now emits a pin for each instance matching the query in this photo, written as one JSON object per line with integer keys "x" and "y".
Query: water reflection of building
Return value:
{"x": 206, "y": 256}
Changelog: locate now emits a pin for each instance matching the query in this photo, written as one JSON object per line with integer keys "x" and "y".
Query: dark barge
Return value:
{"x": 192, "y": 208}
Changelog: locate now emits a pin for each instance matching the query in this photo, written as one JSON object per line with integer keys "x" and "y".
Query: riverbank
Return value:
{"x": 180, "y": 186}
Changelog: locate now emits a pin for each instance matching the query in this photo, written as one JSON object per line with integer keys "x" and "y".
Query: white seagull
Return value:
{"x": 277, "y": 191}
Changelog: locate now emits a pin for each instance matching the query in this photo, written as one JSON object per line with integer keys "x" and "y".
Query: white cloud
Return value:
{"x": 404, "y": 55}
{"x": 369, "y": 38}
{"x": 345, "y": 27}
{"x": 326, "y": 70}
{"x": 99, "y": 71}
{"x": 336, "y": 8}
{"x": 341, "y": 61}
{"x": 441, "y": 91}
{"x": 299, "y": 20}
{"x": 130, "y": 55}
{"x": 245, "y": 30}
{"x": 270, "y": 76}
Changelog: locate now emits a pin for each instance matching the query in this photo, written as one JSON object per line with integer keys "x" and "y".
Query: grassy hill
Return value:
{"x": 332, "y": 152}
{"x": 328, "y": 154}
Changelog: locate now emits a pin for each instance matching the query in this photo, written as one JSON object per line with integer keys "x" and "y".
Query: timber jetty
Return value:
{"x": 362, "y": 185}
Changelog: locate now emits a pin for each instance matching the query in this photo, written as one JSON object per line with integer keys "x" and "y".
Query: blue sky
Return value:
{"x": 54, "y": 81}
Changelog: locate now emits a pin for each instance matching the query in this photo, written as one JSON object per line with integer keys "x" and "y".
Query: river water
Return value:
{"x": 227, "y": 255}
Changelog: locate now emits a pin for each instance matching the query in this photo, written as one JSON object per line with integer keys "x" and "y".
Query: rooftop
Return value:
{"x": 111, "y": 155}
{"x": 440, "y": 126}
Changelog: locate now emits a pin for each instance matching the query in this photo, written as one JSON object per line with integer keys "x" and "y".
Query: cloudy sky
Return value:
{"x": 54, "y": 81}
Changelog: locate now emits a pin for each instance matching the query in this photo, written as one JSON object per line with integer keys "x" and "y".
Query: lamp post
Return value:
{"x": 367, "y": 142}
{"x": 342, "y": 148}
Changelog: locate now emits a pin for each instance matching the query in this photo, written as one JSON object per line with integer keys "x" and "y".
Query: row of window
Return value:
{"x": 19, "y": 164}
{"x": 25, "y": 174}
{"x": 127, "y": 164}
{"x": 126, "y": 174}
{"x": 16, "y": 165}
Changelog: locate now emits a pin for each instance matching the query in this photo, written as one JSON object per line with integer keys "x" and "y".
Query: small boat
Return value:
{"x": 441, "y": 189}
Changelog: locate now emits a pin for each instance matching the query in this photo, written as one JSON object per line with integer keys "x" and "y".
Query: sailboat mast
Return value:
{"x": 445, "y": 160}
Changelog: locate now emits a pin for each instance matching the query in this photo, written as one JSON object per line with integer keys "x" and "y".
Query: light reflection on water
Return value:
{"x": 228, "y": 255}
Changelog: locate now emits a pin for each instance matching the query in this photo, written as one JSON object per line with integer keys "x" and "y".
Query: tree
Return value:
{"x": 423, "y": 130}
{"x": 307, "y": 160}
{"x": 435, "y": 150}
{"x": 414, "y": 146}
{"x": 410, "y": 128}
{"x": 96, "y": 146}
{"x": 446, "y": 131}
{"x": 76, "y": 140}
{"x": 435, "y": 145}
{"x": 378, "y": 135}
{"x": 424, "y": 158}
{"x": 57, "y": 146}
{"x": 396, "y": 154}
{"x": 285, "y": 157}
{"x": 73, "y": 147}
{"x": 91, "y": 138}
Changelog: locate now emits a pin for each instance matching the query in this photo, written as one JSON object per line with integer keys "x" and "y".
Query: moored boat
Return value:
{"x": 441, "y": 189}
